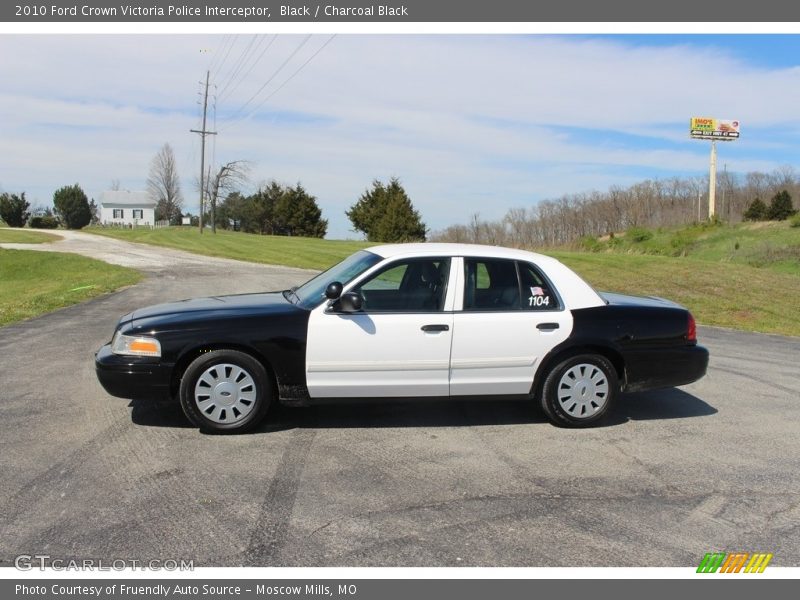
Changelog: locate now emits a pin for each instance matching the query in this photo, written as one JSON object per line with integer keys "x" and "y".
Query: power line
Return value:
{"x": 274, "y": 74}
{"x": 240, "y": 62}
{"x": 222, "y": 64}
{"x": 250, "y": 70}
{"x": 280, "y": 87}
{"x": 218, "y": 54}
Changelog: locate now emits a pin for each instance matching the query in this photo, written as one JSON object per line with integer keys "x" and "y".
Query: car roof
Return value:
{"x": 442, "y": 249}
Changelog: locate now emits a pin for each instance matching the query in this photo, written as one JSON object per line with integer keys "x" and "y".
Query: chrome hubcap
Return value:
{"x": 583, "y": 391}
{"x": 225, "y": 393}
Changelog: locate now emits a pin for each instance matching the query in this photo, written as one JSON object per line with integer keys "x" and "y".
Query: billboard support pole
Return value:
{"x": 712, "y": 181}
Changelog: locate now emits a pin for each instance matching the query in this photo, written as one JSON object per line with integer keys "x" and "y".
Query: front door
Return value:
{"x": 397, "y": 346}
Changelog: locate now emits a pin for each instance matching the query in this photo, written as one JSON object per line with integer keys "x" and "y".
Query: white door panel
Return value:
{"x": 381, "y": 355}
{"x": 498, "y": 353}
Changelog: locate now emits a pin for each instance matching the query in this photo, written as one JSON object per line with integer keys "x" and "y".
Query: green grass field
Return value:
{"x": 772, "y": 245}
{"x": 743, "y": 288}
{"x": 10, "y": 235}
{"x": 34, "y": 283}
{"x": 718, "y": 293}
{"x": 304, "y": 253}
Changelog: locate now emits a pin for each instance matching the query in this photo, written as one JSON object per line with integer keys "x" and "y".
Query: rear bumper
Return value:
{"x": 664, "y": 367}
{"x": 133, "y": 378}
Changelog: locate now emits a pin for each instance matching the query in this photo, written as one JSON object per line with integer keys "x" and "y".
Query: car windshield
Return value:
{"x": 312, "y": 292}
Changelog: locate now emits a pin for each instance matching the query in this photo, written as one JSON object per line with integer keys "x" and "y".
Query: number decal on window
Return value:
{"x": 539, "y": 301}
{"x": 538, "y": 297}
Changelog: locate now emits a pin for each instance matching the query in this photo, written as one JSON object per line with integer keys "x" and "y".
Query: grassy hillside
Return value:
{"x": 305, "y": 253}
{"x": 754, "y": 287}
{"x": 774, "y": 245}
{"x": 34, "y": 283}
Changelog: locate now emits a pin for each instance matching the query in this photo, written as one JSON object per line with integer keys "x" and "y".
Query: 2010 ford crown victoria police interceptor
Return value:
{"x": 406, "y": 321}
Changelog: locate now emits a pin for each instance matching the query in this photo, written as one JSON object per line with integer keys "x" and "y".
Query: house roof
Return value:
{"x": 126, "y": 198}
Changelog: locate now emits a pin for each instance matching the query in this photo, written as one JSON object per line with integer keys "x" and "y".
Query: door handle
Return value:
{"x": 428, "y": 328}
{"x": 547, "y": 326}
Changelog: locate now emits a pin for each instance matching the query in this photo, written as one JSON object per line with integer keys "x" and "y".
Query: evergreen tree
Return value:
{"x": 757, "y": 211}
{"x": 780, "y": 208}
{"x": 14, "y": 209}
{"x": 72, "y": 206}
{"x": 385, "y": 214}
{"x": 297, "y": 213}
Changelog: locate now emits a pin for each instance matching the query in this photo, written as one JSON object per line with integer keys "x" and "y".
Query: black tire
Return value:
{"x": 580, "y": 390}
{"x": 231, "y": 406}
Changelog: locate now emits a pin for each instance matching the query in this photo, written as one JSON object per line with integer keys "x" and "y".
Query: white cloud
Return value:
{"x": 469, "y": 123}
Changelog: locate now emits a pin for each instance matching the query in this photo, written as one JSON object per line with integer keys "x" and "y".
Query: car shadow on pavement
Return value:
{"x": 152, "y": 413}
{"x": 670, "y": 403}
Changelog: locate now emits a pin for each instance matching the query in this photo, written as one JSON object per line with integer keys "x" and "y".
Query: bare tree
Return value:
{"x": 115, "y": 185}
{"x": 163, "y": 185}
{"x": 228, "y": 178}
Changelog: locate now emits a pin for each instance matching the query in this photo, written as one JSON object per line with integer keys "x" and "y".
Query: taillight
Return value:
{"x": 691, "y": 334}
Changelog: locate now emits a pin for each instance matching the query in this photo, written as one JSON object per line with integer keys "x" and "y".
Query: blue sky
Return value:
{"x": 469, "y": 123}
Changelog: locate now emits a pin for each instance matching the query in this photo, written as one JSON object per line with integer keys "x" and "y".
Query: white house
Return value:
{"x": 127, "y": 208}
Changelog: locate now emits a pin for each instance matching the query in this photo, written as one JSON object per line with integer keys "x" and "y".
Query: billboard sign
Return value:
{"x": 706, "y": 128}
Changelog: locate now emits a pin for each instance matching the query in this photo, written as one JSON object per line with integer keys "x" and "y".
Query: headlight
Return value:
{"x": 129, "y": 345}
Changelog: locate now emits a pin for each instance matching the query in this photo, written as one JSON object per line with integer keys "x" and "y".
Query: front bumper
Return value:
{"x": 131, "y": 377}
{"x": 664, "y": 367}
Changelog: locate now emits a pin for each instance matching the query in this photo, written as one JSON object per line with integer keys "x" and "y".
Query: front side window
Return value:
{"x": 118, "y": 213}
{"x": 411, "y": 285}
{"x": 137, "y": 213}
{"x": 312, "y": 292}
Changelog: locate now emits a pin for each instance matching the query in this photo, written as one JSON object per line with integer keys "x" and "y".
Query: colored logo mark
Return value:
{"x": 734, "y": 562}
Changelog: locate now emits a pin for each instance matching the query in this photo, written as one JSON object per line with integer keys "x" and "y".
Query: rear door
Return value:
{"x": 507, "y": 317}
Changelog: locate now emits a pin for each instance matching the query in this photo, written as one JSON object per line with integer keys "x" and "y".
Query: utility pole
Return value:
{"x": 712, "y": 181}
{"x": 203, "y": 133}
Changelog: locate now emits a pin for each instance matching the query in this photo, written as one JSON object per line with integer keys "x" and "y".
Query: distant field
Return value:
{"x": 10, "y": 235}
{"x": 718, "y": 288}
{"x": 34, "y": 283}
{"x": 304, "y": 253}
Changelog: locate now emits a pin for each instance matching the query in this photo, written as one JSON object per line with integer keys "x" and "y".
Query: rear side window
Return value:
{"x": 499, "y": 285}
{"x": 491, "y": 285}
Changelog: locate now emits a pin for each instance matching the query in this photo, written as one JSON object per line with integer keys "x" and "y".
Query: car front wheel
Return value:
{"x": 579, "y": 390}
{"x": 225, "y": 391}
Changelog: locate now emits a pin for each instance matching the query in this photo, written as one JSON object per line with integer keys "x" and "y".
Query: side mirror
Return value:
{"x": 334, "y": 290}
{"x": 350, "y": 302}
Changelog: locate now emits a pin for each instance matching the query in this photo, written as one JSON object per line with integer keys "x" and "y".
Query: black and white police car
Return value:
{"x": 406, "y": 321}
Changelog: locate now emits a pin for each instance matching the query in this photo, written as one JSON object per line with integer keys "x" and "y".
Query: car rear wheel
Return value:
{"x": 579, "y": 390}
{"x": 225, "y": 391}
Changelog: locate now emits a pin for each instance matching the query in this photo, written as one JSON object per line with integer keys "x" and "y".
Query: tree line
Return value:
{"x": 651, "y": 203}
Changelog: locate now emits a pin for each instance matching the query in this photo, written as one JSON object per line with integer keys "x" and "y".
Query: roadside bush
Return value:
{"x": 589, "y": 243}
{"x": 795, "y": 220}
{"x": 638, "y": 234}
{"x": 43, "y": 222}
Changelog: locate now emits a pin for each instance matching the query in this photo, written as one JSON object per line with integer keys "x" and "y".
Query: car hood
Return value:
{"x": 625, "y": 300}
{"x": 261, "y": 303}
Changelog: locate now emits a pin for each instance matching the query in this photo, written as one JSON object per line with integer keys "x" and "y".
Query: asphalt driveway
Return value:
{"x": 672, "y": 475}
